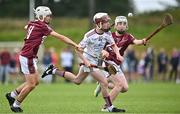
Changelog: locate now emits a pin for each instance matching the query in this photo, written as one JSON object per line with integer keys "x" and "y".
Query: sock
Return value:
{"x": 54, "y": 71}
{"x": 59, "y": 73}
{"x": 14, "y": 93}
{"x": 108, "y": 101}
{"x": 110, "y": 108}
{"x": 16, "y": 103}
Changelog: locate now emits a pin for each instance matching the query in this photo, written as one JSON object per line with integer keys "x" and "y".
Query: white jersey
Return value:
{"x": 94, "y": 43}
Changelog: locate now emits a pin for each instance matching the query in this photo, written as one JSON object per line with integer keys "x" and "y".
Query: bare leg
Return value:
{"x": 28, "y": 86}
{"x": 104, "y": 87}
{"x": 71, "y": 77}
{"x": 110, "y": 85}
{"x": 120, "y": 85}
{"x": 102, "y": 80}
{"x": 19, "y": 88}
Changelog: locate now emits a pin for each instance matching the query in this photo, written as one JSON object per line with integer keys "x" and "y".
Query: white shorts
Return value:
{"x": 118, "y": 68}
{"x": 93, "y": 61}
{"x": 86, "y": 69}
{"x": 28, "y": 66}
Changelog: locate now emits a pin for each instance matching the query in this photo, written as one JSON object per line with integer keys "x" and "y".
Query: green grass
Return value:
{"x": 69, "y": 98}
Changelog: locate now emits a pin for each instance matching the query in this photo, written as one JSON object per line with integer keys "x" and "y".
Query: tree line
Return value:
{"x": 68, "y": 8}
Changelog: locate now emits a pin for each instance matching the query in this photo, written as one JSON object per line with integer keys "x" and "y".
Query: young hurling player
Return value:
{"x": 122, "y": 40}
{"x": 37, "y": 31}
{"x": 93, "y": 43}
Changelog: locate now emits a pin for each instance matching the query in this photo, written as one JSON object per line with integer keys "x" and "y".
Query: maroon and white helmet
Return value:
{"x": 101, "y": 17}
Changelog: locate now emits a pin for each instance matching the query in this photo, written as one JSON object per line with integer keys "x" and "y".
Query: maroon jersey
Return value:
{"x": 122, "y": 43}
{"x": 36, "y": 32}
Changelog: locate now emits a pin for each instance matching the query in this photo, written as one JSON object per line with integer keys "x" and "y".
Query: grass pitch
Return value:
{"x": 63, "y": 98}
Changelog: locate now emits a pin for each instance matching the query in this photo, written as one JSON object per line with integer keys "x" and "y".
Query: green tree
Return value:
{"x": 72, "y": 8}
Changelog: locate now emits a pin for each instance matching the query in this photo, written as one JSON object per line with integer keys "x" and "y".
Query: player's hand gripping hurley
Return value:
{"x": 111, "y": 68}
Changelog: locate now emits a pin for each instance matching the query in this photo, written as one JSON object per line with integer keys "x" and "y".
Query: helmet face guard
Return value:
{"x": 100, "y": 18}
{"x": 103, "y": 19}
{"x": 41, "y": 12}
{"x": 122, "y": 19}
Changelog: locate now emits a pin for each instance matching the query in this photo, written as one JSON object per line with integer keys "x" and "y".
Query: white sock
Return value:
{"x": 14, "y": 94}
{"x": 16, "y": 103}
{"x": 110, "y": 108}
{"x": 54, "y": 71}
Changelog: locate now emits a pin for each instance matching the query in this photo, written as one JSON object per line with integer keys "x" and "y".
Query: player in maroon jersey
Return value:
{"x": 122, "y": 40}
{"x": 37, "y": 31}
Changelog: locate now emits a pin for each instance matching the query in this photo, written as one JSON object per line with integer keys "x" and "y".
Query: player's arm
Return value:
{"x": 64, "y": 39}
{"x": 104, "y": 53}
{"x": 116, "y": 50}
{"x": 84, "y": 42}
{"x": 139, "y": 42}
{"x": 85, "y": 61}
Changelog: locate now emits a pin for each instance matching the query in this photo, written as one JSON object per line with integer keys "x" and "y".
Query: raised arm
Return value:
{"x": 140, "y": 42}
{"x": 64, "y": 39}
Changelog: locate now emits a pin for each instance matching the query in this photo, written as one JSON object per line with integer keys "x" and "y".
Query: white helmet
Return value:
{"x": 121, "y": 19}
{"x": 42, "y": 11}
{"x": 101, "y": 17}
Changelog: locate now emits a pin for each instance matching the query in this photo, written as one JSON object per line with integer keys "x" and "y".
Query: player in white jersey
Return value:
{"x": 93, "y": 43}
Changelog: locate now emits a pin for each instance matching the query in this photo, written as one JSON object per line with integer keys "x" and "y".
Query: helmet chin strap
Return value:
{"x": 106, "y": 30}
{"x": 121, "y": 32}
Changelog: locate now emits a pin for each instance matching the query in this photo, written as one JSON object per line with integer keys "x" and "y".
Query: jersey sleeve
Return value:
{"x": 110, "y": 39}
{"x": 131, "y": 39}
{"x": 47, "y": 30}
{"x": 84, "y": 42}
